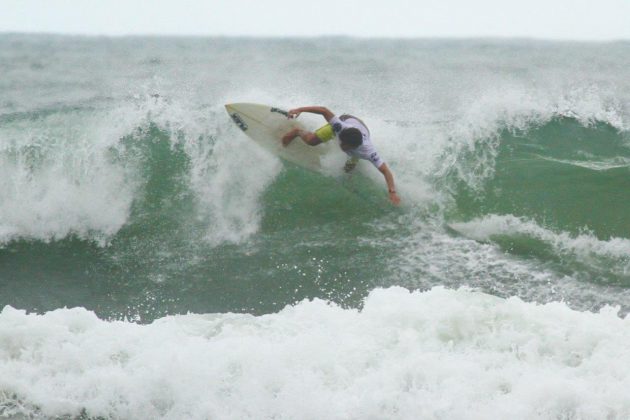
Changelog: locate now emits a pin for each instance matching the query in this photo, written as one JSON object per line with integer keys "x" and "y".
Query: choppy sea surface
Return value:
{"x": 155, "y": 264}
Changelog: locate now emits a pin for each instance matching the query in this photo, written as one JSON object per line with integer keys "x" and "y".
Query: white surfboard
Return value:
{"x": 266, "y": 125}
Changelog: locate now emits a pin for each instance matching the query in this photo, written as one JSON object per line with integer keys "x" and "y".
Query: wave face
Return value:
{"x": 555, "y": 191}
{"x": 560, "y": 172}
{"x": 129, "y": 196}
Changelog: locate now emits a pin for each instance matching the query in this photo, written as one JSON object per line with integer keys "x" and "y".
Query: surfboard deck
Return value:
{"x": 266, "y": 125}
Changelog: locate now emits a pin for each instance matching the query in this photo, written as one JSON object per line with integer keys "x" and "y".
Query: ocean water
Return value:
{"x": 153, "y": 264}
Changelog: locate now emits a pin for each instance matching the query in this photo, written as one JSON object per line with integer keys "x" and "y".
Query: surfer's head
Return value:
{"x": 350, "y": 138}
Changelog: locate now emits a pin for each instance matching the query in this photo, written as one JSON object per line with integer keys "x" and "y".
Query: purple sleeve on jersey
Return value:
{"x": 376, "y": 160}
{"x": 336, "y": 124}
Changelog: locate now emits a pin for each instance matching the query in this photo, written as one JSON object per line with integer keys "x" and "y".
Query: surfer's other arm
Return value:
{"x": 320, "y": 110}
{"x": 391, "y": 187}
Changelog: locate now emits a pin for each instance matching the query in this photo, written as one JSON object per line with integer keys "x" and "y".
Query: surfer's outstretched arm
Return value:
{"x": 320, "y": 110}
{"x": 391, "y": 187}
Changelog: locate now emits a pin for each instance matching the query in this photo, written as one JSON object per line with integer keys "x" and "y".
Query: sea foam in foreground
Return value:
{"x": 437, "y": 354}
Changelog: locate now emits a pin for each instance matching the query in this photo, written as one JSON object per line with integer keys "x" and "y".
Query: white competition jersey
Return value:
{"x": 366, "y": 150}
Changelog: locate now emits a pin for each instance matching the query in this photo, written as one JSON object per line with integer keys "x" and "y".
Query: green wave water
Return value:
{"x": 131, "y": 193}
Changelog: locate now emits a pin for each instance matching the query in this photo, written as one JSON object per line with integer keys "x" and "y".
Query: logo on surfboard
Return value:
{"x": 279, "y": 111}
{"x": 239, "y": 121}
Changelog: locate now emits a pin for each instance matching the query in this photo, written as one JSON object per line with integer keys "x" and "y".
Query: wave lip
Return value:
{"x": 611, "y": 255}
{"x": 440, "y": 353}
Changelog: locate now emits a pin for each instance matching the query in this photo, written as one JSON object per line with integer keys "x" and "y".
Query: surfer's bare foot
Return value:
{"x": 288, "y": 138}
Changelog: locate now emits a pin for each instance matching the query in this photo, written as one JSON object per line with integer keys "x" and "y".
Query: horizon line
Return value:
{"x": 320, "y": 36}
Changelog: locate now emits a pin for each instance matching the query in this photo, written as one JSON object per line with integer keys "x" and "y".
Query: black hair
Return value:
{"x": 351, "y": 137}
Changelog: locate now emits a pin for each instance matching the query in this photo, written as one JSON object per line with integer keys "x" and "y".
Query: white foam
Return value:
{"x": 442, "y": 353}
{"x": 226, "y": 175}
{"x": 229, "y": 183}
{"x": 56, "y": 179}
{"x": 597, "y": 165}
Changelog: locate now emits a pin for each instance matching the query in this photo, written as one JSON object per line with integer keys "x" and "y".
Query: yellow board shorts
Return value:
{"x": 325, "y": 133}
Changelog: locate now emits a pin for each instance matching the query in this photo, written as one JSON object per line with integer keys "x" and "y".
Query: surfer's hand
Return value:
{"x": 393, "y": 197}
{"x": 294, "y": 113}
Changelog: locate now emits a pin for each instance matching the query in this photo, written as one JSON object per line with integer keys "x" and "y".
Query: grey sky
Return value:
{"x": 553, "y": 19}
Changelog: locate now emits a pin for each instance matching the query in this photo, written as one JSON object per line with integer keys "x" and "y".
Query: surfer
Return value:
{"x": 354, "y": 139}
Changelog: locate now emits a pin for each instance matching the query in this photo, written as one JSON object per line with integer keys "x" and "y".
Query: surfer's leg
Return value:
{"x": 309, "y": 138}
{"x": 288, "y": 138}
